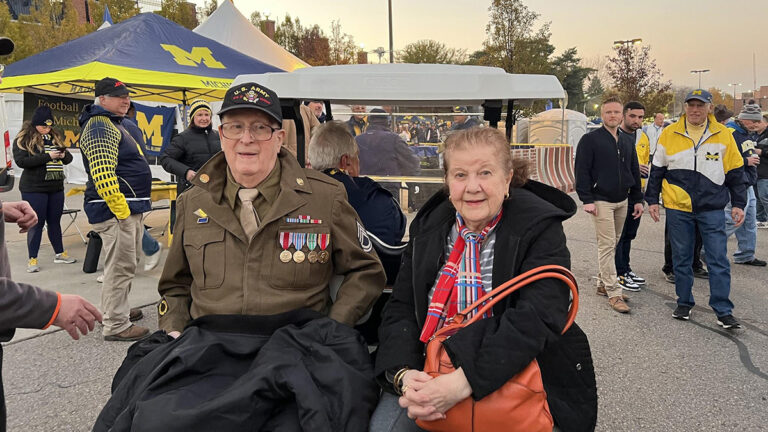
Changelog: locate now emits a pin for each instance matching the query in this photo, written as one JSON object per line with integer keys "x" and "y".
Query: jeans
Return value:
{"x": 697, "y": 264}
{"x": 149, "y": 245}
{"x": 49, "y": 207}
{"x": 762, "y": 197}
{"x": 624, "y": 246}
{"x": 746, "y": 234}
{"x": 682, "y": 236}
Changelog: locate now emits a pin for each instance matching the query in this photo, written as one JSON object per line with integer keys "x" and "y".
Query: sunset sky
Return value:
{"x": 683, "y": 34}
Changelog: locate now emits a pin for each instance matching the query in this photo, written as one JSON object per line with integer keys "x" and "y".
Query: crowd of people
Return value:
{"x": 273, "y": 264}
{"x": 705, "y": 166}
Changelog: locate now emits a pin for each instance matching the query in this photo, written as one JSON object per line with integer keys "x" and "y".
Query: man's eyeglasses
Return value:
{"x": 258, "y": 131}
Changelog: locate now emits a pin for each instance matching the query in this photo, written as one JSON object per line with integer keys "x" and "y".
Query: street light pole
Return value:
{"x": 391, "y": 48}
{"x": 734, "y": 93}
{"x": 699, "y": 71}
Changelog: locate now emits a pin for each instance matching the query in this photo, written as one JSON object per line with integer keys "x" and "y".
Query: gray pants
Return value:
{"x": 389, "y": 417}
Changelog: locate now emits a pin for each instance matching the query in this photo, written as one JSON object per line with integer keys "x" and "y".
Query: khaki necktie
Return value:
{"x": 248, "y": 218}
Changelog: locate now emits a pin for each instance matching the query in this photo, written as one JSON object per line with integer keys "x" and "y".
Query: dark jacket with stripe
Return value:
{"x": 119, "y": 180}
{"x": 526, "y": 326}
{"x": 295, "y": 371}
{"x": 34, "y": 166}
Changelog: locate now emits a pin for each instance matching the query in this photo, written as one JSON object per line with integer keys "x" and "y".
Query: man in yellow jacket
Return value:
{"x": 698, "y": 169}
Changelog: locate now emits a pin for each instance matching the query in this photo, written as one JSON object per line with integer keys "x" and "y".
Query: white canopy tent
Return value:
{"x": 229, "y": 27}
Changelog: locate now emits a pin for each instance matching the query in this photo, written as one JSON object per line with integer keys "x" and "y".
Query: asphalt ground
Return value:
{"x": 654, "y": 373}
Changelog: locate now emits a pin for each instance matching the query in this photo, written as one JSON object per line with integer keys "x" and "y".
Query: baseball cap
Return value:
{"x": 460, "y": 109}
{"x": 699, "y": 94}
{"x": 6, "y": 46}
{"x": 111, "y": 87}
{"x": 251, "y": 95}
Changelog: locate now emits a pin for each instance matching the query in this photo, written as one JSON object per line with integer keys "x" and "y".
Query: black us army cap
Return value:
{"x": 252, "y": 96}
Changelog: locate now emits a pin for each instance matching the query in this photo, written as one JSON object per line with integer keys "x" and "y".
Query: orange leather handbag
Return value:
{"x": 521, "y": 403}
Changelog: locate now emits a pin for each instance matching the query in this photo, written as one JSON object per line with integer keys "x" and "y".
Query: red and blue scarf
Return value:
{"x": 461, "y": 282}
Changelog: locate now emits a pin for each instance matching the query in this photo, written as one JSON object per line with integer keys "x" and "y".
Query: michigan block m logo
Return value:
{"x": 194, "y": 57}
{"x": 152, "y": 129}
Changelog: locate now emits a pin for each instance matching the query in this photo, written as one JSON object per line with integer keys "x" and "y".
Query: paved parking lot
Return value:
{"x": 653, "y": 372}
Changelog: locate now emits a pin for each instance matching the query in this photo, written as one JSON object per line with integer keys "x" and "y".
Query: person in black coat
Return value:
{"x": 40, "y": 152}
{"x": 333, "y": 151}
{"x": 518, "y": 224}
{"x": 192, "y": 148}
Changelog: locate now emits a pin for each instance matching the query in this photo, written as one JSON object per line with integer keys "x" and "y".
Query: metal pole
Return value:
{"x": 391, "y": 49}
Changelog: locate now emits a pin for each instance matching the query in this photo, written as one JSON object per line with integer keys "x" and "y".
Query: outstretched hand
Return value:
{"x": 76, "y": 313}
{"x": 20, "y": 213}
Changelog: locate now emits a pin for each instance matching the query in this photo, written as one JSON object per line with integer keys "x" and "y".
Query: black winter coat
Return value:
{"x": 189, "y": 150}
{"x": 607, "y": 169}
{"x": 525, "y": 326}
{"x": 296, "y": 371}
{"x": 34, "y": 166}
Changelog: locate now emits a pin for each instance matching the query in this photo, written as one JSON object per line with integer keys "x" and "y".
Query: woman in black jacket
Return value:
{"x": 192, "y": 148}
{"x": 491, "y": 224}
{"x": 39, "y": 151}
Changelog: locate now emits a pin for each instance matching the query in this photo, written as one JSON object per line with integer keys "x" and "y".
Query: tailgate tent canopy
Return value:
{"x": 407, "y": 85}
{"x": 157, "y": 58}
{"x": 228, "y": 26}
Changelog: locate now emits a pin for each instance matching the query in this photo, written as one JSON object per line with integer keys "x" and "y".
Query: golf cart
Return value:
{"x": 424, "y": 92}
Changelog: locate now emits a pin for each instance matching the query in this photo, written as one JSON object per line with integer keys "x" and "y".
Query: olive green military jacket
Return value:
{"x": 212, "y": 268}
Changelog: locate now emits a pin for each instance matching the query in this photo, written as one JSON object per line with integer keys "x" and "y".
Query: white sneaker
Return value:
{"x": 100, "y": 279}
{"x": 153, "y": 260}
{"x": 64, "y": 258}
{"x": 762, "y": 225}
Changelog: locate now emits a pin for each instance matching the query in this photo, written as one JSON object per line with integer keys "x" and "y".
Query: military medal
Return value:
{"x": 284, "y": 239}
{"x": 298, "y": 242}
{"x": 311, "y": 245}
{"x": 322, "y": 241}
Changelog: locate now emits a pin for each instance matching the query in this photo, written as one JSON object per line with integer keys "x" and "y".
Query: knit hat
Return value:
{"x": 722, "y": 113}
{"x": 751, "y": 112}
{"x": 196, "y": 105}
{"x": 42, "y": 116}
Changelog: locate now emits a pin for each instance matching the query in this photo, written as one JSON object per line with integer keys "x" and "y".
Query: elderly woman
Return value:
{"x": 510, "y": 225}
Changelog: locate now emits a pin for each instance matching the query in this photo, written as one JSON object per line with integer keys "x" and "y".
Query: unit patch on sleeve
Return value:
{"x": 362, "y": 237}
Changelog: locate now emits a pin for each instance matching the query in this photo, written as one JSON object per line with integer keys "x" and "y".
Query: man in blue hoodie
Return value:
{"x": 116, "y": 196}
{"x": 746, "y": 234}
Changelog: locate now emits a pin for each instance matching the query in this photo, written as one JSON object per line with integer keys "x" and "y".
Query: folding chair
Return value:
{"x": 72, "y": 213}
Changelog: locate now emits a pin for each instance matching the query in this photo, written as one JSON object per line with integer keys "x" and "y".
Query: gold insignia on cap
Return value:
{"x": 300, "y": 181}
{"x": 204, "y": 178}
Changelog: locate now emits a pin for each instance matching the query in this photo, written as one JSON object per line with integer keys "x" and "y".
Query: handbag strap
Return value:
{"x": 514, "y": 284}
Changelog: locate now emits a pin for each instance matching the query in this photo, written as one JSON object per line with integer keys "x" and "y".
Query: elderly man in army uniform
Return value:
{"x": 259, "y": 235}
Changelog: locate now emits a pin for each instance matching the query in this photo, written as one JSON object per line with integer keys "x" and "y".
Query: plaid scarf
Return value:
{"x": 462, "y": 271}
{"x": 54, "y": 169}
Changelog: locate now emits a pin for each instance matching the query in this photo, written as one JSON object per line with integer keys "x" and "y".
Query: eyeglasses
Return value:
{"x": 258, "y": 131}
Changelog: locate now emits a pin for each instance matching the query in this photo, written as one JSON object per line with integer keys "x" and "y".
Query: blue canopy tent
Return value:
{"x": 159, "y": 59}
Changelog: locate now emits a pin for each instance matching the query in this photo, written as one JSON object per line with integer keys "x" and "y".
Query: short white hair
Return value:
{"x": 329, "y": 143}
{"x": 97, "y": 101}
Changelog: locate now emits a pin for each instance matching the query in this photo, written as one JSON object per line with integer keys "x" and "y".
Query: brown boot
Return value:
{"x": 132, "y": 333}
{"x": 135, "y": 314}
{"x": 617, "y": 303}
{"x": 601, "y": 291}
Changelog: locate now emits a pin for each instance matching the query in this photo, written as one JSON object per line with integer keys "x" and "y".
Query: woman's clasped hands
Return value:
{"x": 428, "y": 398}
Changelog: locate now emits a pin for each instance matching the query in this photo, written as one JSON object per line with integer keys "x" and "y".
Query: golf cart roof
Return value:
{"x": 407, "y": 84}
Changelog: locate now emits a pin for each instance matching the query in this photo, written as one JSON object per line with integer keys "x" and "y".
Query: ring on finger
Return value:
{"x": 405, "y": 388}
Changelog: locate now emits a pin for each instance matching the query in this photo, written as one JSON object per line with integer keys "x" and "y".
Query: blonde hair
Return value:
{"x": 490, "y": 137}
{"x": 31, "y": 140}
